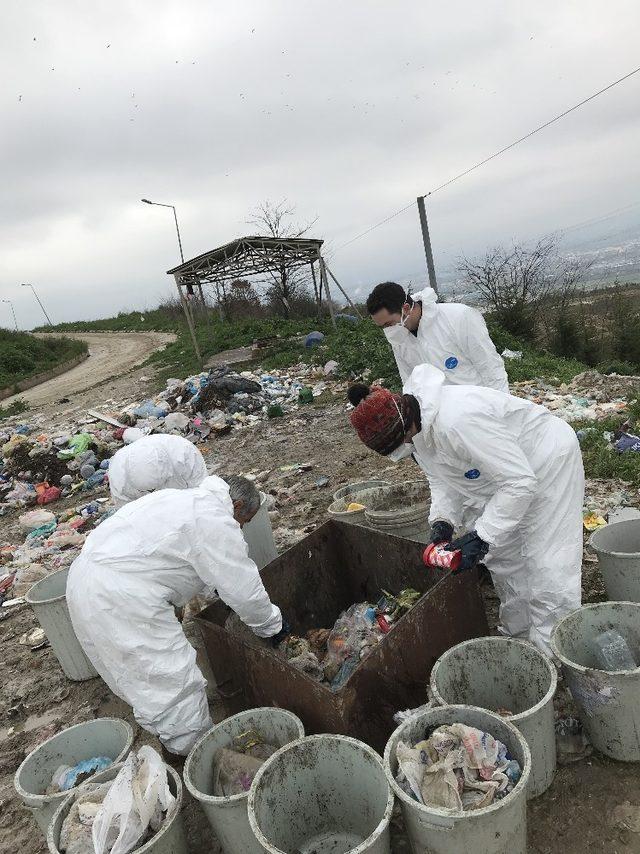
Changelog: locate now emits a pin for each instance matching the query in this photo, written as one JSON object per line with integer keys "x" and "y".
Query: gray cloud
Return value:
{"x": 348, "y": 110}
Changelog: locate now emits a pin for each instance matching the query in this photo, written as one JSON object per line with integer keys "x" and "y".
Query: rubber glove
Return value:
{"x": 284, "y": 632}
{"x": 472, "y": 547}
{"x": 441, "y": 532}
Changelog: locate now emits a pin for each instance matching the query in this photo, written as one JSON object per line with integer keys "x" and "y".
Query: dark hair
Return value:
{"x": 357, "y": 392}
{"x": 387, "y": 295}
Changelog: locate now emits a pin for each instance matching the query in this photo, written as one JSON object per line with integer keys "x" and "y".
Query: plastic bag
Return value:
{"x": 233, "y": 772}
{"x": 78, "y": 445}
{"x": 353, "y": 636}
{"x": 138, "y": 799}
{"x": 36, "y": 519}
{"x": 75, "y": 833}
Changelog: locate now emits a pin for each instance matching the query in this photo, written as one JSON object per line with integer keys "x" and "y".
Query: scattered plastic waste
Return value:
{"x": 612, "y": 652}
{"x": 76, "y": 830}
{"x": 458, "y": 767}
{"x": 67, "y": 777}
{"x": 593, "y": 521}
{"x": 138, "y": 802}
{"x": 627, "y": 442}
{"x": 511, "y": 354}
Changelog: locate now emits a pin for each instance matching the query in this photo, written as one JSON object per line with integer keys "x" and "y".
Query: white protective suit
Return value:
{"x": 513, "y": 472}
{"x": 152, "y": 554}
{"x": 154, "y": 462}
{"x": 453, "y": 338}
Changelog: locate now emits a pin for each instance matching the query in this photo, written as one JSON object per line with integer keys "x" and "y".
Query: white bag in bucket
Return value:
{"x": 138, "y": 799}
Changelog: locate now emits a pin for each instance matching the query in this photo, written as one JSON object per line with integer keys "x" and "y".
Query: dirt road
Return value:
{"x": 111, "y": 354}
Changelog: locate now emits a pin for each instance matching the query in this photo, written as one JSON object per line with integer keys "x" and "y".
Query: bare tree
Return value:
{"x": 286, "y": 284}
{"x": 514, "y": 283}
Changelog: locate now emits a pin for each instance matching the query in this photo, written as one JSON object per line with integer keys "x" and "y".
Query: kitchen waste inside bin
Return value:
{"x": 457, "y": 767}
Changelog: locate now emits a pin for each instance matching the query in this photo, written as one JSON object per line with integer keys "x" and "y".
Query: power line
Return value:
{"x": 536, "y": 130}
{"x": 491, "y": 157}
{"x": 373, "y": 227}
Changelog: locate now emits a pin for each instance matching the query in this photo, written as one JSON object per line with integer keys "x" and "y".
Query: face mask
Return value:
{"x": 401, "y": 453}
{"x": 396, "y": 334}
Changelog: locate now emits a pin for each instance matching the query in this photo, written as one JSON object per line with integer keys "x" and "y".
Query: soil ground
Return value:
{"x": 573, "y": 816}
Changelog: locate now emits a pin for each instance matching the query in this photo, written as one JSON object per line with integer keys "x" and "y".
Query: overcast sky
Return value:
{"x": 346, "y": 109}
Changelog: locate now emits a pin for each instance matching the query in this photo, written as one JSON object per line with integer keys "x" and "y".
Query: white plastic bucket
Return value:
{"x": 500, "y": 828}
{"x": 504, "y": 673}
{"x": 258, "y": 535}
{"x": 110, "y": 737}
{"x": 618, "y": 550}
{"x": 609, "y": 702}
{"x": 228, "y": 815}
{"x": 170, "y": 839}
{"x": 351, "y": 489}
{"x": 49, "y": 602}
{"x": 401, "y": 509}
{"x": 325, "y": 794}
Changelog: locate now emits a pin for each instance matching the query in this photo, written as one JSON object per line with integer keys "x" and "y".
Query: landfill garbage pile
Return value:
{"x": 235, "y": 767}
{"x": 331, "y": 655}
{"x": 40, "y": 466}
{"x": 120, "y": 816}
{"x": 457, "y": 767}
{"x": 51, "y": 542}
{"x": 589, "y": 397}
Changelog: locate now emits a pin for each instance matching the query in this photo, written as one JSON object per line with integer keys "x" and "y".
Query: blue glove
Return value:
{"x": 441, "y": 532}
{"x": 284, "y": 632}
{"x": 473, "y": 550}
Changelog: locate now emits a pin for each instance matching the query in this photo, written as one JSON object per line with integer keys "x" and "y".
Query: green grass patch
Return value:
{"x": 18, "y": 406}
{"x": 22, "y": 355}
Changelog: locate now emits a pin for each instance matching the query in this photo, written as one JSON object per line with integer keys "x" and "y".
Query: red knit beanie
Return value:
{"x": 377, "y": 420}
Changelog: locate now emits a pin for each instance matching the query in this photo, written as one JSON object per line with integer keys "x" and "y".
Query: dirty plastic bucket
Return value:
{"x": 227, "y": 815}
{"x": 500, "y": 828}
{"x": 325, "y": 794}
{"x": 49, "y": 603}
{"x": 170, "y": 839}
{"x": 351, "y": 489}
{"x": 401, "y": 509}
{"x": 618, "y": 550}
{"x": 258, "y": 535}
{"x": 504, "y": 673}
{"x": 110, "y": 737}
{"x": 609, "y": 702}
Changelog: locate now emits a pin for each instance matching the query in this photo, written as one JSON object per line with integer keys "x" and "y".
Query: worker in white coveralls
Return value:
{"x": 151, "y": 555}
{"x": 450, "y": 336}
{"x": 502, "y": 469}
{"x": 154, "y": 462}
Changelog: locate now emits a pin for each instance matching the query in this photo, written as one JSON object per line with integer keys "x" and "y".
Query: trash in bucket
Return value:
{"x": 120, "y": 815}
{"x": 66, "y": 777}
{"x": 458, "y": 767}
{"x": 612, "y": 652}
{"x": 235, "y": 767}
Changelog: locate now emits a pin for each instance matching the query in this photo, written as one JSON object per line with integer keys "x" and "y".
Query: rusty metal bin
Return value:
{"x": 313, "y": 582}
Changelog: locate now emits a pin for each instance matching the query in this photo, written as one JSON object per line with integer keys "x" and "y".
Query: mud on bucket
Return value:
{"x": 618, "y": 550}
{"x": 227, "y": 815}
{"x": 400, "y": 509}
{"x": 110, "y": 737}
{"x": 505, "y": 675}
{"x": 609, "y": 701}
{"x": 500, "y": 828}
{"x": 325, "y": 794}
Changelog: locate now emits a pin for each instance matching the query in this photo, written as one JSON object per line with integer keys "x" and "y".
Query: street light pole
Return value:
{"x": 175, "y": 216}
{"x": 24, "y": 285}
{"x": 12, "y": 312}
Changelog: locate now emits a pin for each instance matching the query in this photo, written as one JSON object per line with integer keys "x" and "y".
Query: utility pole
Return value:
{"x": 15, "y": 322}
{"x": 39, "y": 303}
{"x": 427, "y": 244}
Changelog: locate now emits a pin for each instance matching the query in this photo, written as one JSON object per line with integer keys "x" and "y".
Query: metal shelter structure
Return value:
{"x": 252, "y": 256}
